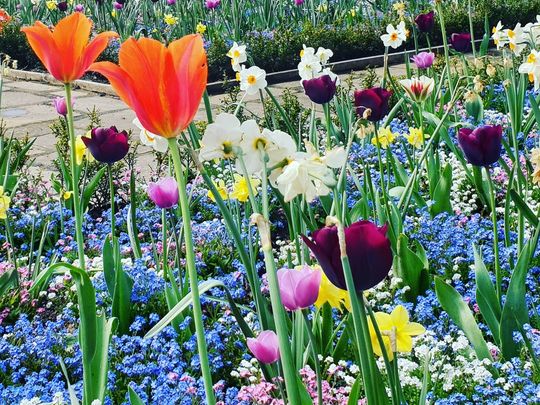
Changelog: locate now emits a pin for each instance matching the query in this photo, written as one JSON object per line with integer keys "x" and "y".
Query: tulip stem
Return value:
{"x": 192, "y": 272}
{"x": 75, "y": 178}
{"x": 446, "y": 55}
{"x": 111, "y": 191}
{"x": 315, "y": 351}
{"x": 498, "y": 275}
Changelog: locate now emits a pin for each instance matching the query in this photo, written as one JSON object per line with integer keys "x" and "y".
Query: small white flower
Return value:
{"x": 324, "y": 55}
{"x": 532, "y": 68}
{"x": 499, "y": 36}
{"x": 158, "y": 143}
{"x": 516, "y": 39}
{"x": 309, "y": 67}
{"x": 221, "y": 138}
{"x": 252, "y": 80}
{"x": 394, "y": 37}
{"x": 238, "y": 55}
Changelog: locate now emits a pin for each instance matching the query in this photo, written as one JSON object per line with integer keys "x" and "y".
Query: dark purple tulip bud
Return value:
{"x": 107, "y": 145}
{"x": 164, "y": 193}
{"x": 425, "y": 22}
{"x": 461, "y": 42}
{"x": 481, "y": 146}
{"x": 321, "y": 89}
{"x": 62, "y": 6}
{"x": 372, "y": 104}
{"x": 368, "y": 249}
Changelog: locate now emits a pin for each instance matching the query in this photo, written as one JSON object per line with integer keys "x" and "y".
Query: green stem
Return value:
{"x": 111, "y": 191}
{"x": 315, "y": 351}
{"x": 192, "y": 272}
{"x": 75, "y": 179}
{"x": 446, "y": 54}
{"x": 498, "y": 275}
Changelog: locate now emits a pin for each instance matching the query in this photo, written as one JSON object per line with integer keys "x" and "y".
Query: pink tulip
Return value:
{"x": 423, "y": 60}
{"x": 61, "y": 106}
{"x": 298, "y": 288}
{"x": 212, "y": 4}
{"x": 265, "y": 347}
{"x": 164, "y": 193}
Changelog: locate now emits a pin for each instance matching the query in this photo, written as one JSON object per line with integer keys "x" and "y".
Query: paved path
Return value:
{"x": 27, "y": 110}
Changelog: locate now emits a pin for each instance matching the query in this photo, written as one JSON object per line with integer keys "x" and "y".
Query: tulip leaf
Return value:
{"x": 91, "y": 187}
{"x": 134, "y": 398}
{"x": 441, "y": 194}
{"x": 108, "y": 265}
{"x": 459, "y": 312}
{"x": 486, "y": 38}
{"x": 354, "y": 395}
{"x": 486, "y": 296}
{"x": 514, "y": 313}
{"x": 132, "y": 228}
{"x": 8, "y": 280}
{"x": 523, "y": 208}
{"x": 412, "y": 269}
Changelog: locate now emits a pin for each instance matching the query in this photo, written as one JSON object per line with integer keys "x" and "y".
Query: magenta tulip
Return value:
{"x": 61, "y": 106}
{"x": 299, "y": 289}
{"x": 79, "y": 8}
{"x": 425, "y": 22}
{"x": 481, "y": 146}
{"x": 265, "y": 347}
{"x": 321, "y": 89}
{"x": 212, "y": 4}
{"x": 107, "y": 145}
{"x": 423, "y": 60}
{"x": 368, "y": 249}
{"x": 461, "y": 42}
{"x": 375, "y": 100}
{"x": 164, "y": 193}
{"x": 298, "y": 2}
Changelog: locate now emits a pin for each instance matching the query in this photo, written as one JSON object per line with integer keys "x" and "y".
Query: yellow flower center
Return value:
{"x": 394, "y": 36}
{"x": 251, "y": 79}
{"x": 531, "y": 58}
{"x": 259, "y": 142}
{"x": 227, "y": 149}
{"x": 236, "y": 53}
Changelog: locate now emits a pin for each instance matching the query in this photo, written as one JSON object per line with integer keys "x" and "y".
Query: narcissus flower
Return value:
{"x": 299, "y": 288}
{"x": 425, "y": 22}
{"x": 384, "y": 138}
{"x": 107, "y": 145}
{"x": 423, "y": 60}
{"x": 396, "y": 331}
{"x": 252, "y": 80}
{"x": 418, "y": 88}
{"x": 5, "y": 200}
{"x": 461, "y": 42}
{"x": 240, "y": 190}
{"x": 499, "y": 36}
{"x": 320, "y": 90}
{"x": 201, "y": 28}
{"x": 481, "y": 146}
{"x": 221, "y": 138}
{"x": 65, "y": 52}
{"x": 265, "y": 347}
{"x": 532, "y": 68}
{"x": 336, "y": 297}
{"x": 170, "y": 19}
{"x": 372, "y": 104}
{"x": 394, "y": 37}
{"x": 81, "y": 151}
{"x": 163, "y": 85}
{"x": 416, "y": 137}
{"x": 368, "y": 249}
{"x": 156, "y": 142}
{"x": 221, "y": 189}
{"x": 238, "y": 55}
{"x": 164, "y": 193}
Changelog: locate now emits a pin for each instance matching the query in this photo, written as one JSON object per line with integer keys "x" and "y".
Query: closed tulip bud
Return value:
{"x": 425, "y": 22}
{"x": 62, "y": 6}
{"x": 164, "y": 193}
{"x": 424, "y": 60}
{"x": 368, "y": 249}
{"x": 481, "y": 146}
{"x": 321, "y": 89}
{"x": 107, "y": 145}
{"x": 461, "y": 42}
{"x": 298, "y": 2}
{"x": 265, "y": 347}
{"x": 79, "y": 8}
{"x": 299, "y": 289}
{"x": 374, "y": 99}
{"x": 171, "y": 2}
{"x": 474, "y": 106}
{"x": 61, "y": 106}
{"x": 118, "y": 6}
{"x": 212, "y": 4}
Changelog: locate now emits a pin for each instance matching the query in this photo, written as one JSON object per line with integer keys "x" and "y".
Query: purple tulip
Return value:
{"x": 107, "y": 145}
{"x": 368, "y": 249}
{"x": 118, "y": 6}
{"x": 461, "y": 42}
{"x": 481, "y": 146}
{"x": 212, "y": 4}
{"x": 61, "y": 106}
{"x": 425, "y": 22}
{"x": 321, "y": 89}
{"x": 62, "y": 6}
{"x": 299, "y": 289}
{"x": 171, "y": 2}
{"x": 79, "y": 8}
{"x": 298, "y": 2}
{"x": 265, "y": 347}
{"x": 164, "y": 193}
{"x": 423, "y": 60}
{"x": 375, "y": 99}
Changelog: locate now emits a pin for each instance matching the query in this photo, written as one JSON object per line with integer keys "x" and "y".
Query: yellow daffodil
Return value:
{"x": 240, "y": 190}
{"x": 81, "y": 151}
{"x": 51, "y": 5}
{"x": 352, "y": 12}
{"x": 113, "y": 14}
{"x": 170, "y": 19}
{"x": 66, "y": 195}
{"x": 415, "y": 137}
{"x": 222, "y": 190}
{"x": 4, "y": 203}
{"x": 322, "y": 8}
{"x": 399, "y": 7}
{"x": 336, "y": 297}
{"x": 396, "y": 331}
{"x": 386, "y": 137}
{"x": 201, "y": 28}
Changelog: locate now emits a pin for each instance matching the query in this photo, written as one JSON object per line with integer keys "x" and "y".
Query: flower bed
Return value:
{"x": 379, "y": 245}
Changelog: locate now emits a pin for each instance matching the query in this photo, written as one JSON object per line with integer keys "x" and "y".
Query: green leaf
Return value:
{"x": 425, "y": 381}
{"x": 134, "y": 398}
{"x": 523, "y": 208}
{"x": 8, "y": 280}
{"x": 108, "y": 264}
{"x": 354, "y": 395}
{"x": 412, "y": 269}
{"x": 90, "y": 188}
{"x": 486, "y": 296}
{"x": 441, "y": 194}
{"x": 514, "y": 313}
{"x": 457, "y": 309}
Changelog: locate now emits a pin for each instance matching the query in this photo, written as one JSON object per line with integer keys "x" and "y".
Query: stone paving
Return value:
{"x": 27, "y": 110}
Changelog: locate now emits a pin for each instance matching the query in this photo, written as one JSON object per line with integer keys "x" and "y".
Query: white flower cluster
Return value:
{"x": 58, "y": 399}
{"x": 251, "y": 79}
{"x": 292, "y": 172}
{"x": 315, "y": 64}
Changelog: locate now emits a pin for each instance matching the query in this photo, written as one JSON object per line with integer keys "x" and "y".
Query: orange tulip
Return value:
{"x": 163, "y": 85}
{"x": 65, "y": 51}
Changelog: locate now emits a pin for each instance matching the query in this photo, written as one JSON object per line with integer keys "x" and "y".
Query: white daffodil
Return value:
{"x": 324, "y": 55}
{"x": 333, "y": 76}
{"x": 221, "y": 138}
{"x": 238, "y": 55}
{"x": 394, "y": 37}
{"x": 307, "y": 52}
{"x": 516, "y": 39}
{"x": 309, "y": 67}
{"x": 418, "y": 88}
{"x": 532, "y": 68}
{"x": 499, "y": 36}
{"x": 157, "y": 142}
{"x": 532, "y": 31}
{"x": 252, "y": 80}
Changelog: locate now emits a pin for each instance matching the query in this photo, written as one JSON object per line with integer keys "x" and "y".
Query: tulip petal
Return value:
{"x": 71, "y": 37}
{"x": 96, "y": 46}
{"x": 119, "y": 80}
{"x": 41, "y": 40}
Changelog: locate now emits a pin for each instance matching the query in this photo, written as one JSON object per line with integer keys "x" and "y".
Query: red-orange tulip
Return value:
{"x": 65, "y": 52}
{"x": 163, "y": 85}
